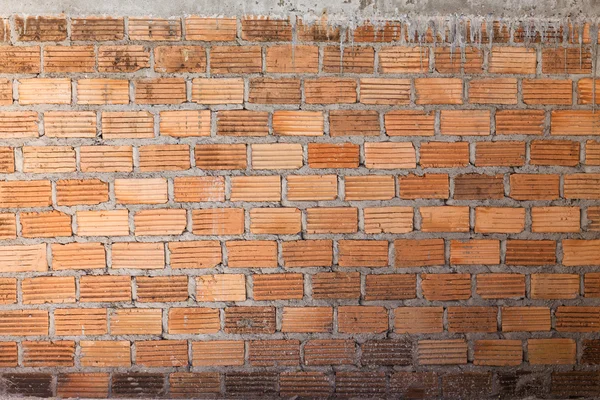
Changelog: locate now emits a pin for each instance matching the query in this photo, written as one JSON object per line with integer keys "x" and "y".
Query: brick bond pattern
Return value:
{"x": 252, "y": 207}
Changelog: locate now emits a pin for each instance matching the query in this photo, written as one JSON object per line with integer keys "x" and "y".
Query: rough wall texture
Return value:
{"x": 259, "y": 207}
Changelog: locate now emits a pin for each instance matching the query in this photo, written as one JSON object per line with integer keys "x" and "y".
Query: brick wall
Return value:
{"x": 198, "y": 206}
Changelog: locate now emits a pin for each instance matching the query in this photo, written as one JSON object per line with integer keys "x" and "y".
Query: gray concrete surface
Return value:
{"x": 341, "y": 9}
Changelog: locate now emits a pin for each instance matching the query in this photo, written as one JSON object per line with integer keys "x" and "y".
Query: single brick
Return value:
{"x": 418, "y": 320}
{"x": 103, "y": 223}
{"x": 582, "y": 186}
{"x": 242, "y": 123}
{"x": 398, "y": 59}
{"x": 97, "y": 28}
{"x": 353, "y": 59}
{"x": 160, "y": 91}
{"x": 210, "y": 29}
{"x": 18, "y": 124}
{"x": 465, "y": 122}
{"x": 444, "y": 219}
{"x": 330, "y": 352}
{"x": 48, "y": 289}
{"x": 305, "y": 384}
{"x": 363, "y": 253}
{"x": 369, "y": 187}
{"x": 409, "y": 123}
{"x": 70, "y": 255}
{"x": 388, "y": 219}
{"x": 274, "y": 353}
{"x": 388, "y": 31}
{"x": 298, "y": 123}
{"x": 520, "y": 122}
{"x": 472, "y": 319}
{"x": 439, "y": 90}
{"x": 69, "y": 59}
{"x": 324, "y": 155}
{"x": 563, "y": 153}
{"x": 161, "y": 353}
{"x": 444, "y": 154}
{"x": 131, "y": 321}
{"x": 20, "y": 59}
{"x": 475, "y": 252}
{"x": 154, "y": 29}
{"x": 530, "y": 252}
{"x": 140, "y": 384}
{"x": 24, "y": 322}
{"x": 332, "y": 220}
{"x": 221, "y": 287}
{"x": 336, "y": 285}
{"x": 45, "y": 224}
{"x": 580, "y": 252}
{"x": 307, "y": 320}
{"x": 534, "y": 186}
{"x": 85, "y": 384}
{"x": 218, "y": 91}
{"x": 548, "y": 91}
{"x": 391, "y": 287}
{"x": 512, "y": 60}
{"x": 384, "y": 91}
{"x": 525, "y": 318}
{"x": 127, "y": 125}
{"x": 562, "y": 60}
{"x": 419, "y": 252}
{"x": 498, "y": 353}
{"x": 317, "y": 31}
{"x": 105, "y": 353}
{"x": 446, "y": 287}
{"x": 362, "y": 384}
{"x": 180, "y": 59}
{"x": 218, "y": 221}
{"x": 479, "y": 187}
{"x": 70, "y": 124}
{"x": 251, "y": 320}
{"x": 137, "y": 255}
{"x": 442, "y": 352}
{"x": 60, "y": 353}
{"x": 362, "y": 319}
{"x": 141, "y": 191}
{"x": 161, "y": 289}
{"x": 275, "y": 91}
{"x": 255, "y": 188}
{"x": 275, "y": 221}
{"x": 195, "y": 254}
{"x": 106, "y": 158}
{"x": 103, "y": 91}
{"x": 551, "y": 351}
{"x": 266, "y": 29}
{"x": 106, "y": 288}
{"x": 17, "y": 194}
{"x": 577, "y": 319}
{"x": 76, "y": 322}
{"x": 252, "y": 254}
{"x": 44, "y": 91}
{"x": 184, "y": 123}
{"x": 288, "y": 59}
{"x": 500, "y": 154}
{"x": 43, "y": 29}
{"x": 390, "y": 155}
{"x": 307, "y": 253}
{"x": 312, "y": 187}
{"x": 218, "y": 353}
{"x": 555, "y": 219}
{"x": 286, "y": 286}
{"x": 415, "y": 384}
{"x": 123, "y": 58}
{"x": 430, "y": 186}
{"x": 193, "y": 320}
{"x": 467, "y": 385}
{"x": 164, "y": 157}
{"x": 235, "y": 59}
{"x": 499, "y": 219}
{"x": 220, "y": 156}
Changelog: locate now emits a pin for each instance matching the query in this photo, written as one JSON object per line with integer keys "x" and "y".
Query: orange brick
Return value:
{"x": 127, "y": 125}
{"x": 593, "y": 216}
{"x": 330, "y": 352}
{"x": 390, "y": 287}
{"x": 312, "y": 187}
{"x": 577, "y": 319}
{"x": 164, "y": 157}
{"x": 141, "y": 191}
{"x": 43, "y": 29}
{"x": 288, "y": 59}
{"x": 304, "y": 384}
{"x": 551, "y": 351}
{"x": 388, "y": 219}
{"x": 445, "y": 287}
{"x": 430, "y": 186}
{"x": 71, "y": 255}
{"x": 255, "y": 188}
{"x": 48, "y": 289}
{"x": 241, "y": 320}
{"x": 592, "y": 153}
{"x": 307, "y": 319}
{"x": 520, "y": 319}
{"x": 252, "y": 254}
{"x": 475, "y": 252}
{"x": 275, "y": 221}
{"x": 439, "y": 91}
{"x": 530, "y": 252}
{"x": 273, "y": 353}
{"x": 235, "y": 59}
{"x": 369, "y": 187}
{"x": 138, "y": 255}
{"x": 398, "y": 60}
{"x": 8, "y": 291}
{"x": 221, "y": 287}
{"x": 194, "y": 320}
{"x": 45, "y": 224}
{"x": 9, "y": 354}
{"x": 387, "y": 31}
{"x": 336, "y": 285}
{"x": 106, "y": 158}
{"x": 97, "y": 28}
{"x": 512, "y": 60}
{"x": 274, "y": 91}
{"x": 330, "y": 91}
{"x": 472, "y": 319}
{"x": 500, "y": 286}
{"x": 353, "y": 123}
{"x": 218, "y": 353}
{"x": 218, "y": 221}
{"x": 69, "y": 59}
{"x": 48, "y": 159}
{"x": 354, "y": 59}
{"x": 449, "y": 60}
{"x": 500, "y": 153}
{"x": 444, "y": 219}
{"x": 79, "y": 322}
{"x": 363, "y": 253}
{"x": 389, "y": 155}
{"x": 123, "y": 58}
{"x": 418, "y": 320}
{"x": 498, "y": 352}
{"x": 36, "y": 193}
{"x": 24, "y": 322}
{"x": 266, "y": 29}
{"x": 220, "y": 156}
{"x": 520, "y": 122}
{"x": 409, "y": 123}
{"x": 154, "y": 29}
{"x": 199, "y": 188}
{"x": 103, "y": 223}
{"x": 298, "y": 123}
{"x": 580, "y": 252}
{"x": 317, "y": 31}
{"x": 109, "y": 288}
{"x": 499, "y": 219}
{"x": 332, "y": 220}
{"x": 218, "y": 91}
{"x": 103, "y": 91}
{"x": 555, "y": 219}
{"x": 161, "y": 353}
{"x": 242, "y": 123}
{"x": 60, "y": 353}
{"x": 210, "y": 29}
{"x": 561, "y": 60}
{"x": 554, "y": 286}
{"x": 8, "y": 226}
{"x": 442, "y": 352}
{"x": 185, "y": 384}
{"x": 582, "y": 186}
{"x": 195, "y": 254}
{"x": 555, "y": 152}
{"x": 67, "y": 124}
{"x": 180, "y": 59}
{"x": 105, "y": 353}
{"x": 534, "y": 186}
{"x": 287, "y": 286}
{"x": 20, "y": 59}
{"x": 384, "y": 91}
{"x": 324, "y": 155}
{"x": 44, "y": 91}
{"x": 160, "y": 91}
{"x": 277, "y": 156}
{"x": 419, "y": 252}
{"x": 161, "y": 289}
{"x": 307, "y": 253}
{"x": 548, "y": 91}
{"x": 362, "y": 319}
{"x": 444, "y": 154}
{"x": 130, "y": 321}
{"x": 6, "y": 92}
{"x": 465, "y": 122}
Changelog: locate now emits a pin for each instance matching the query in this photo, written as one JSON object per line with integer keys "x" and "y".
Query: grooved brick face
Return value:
{"x": 255, "y": 206}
